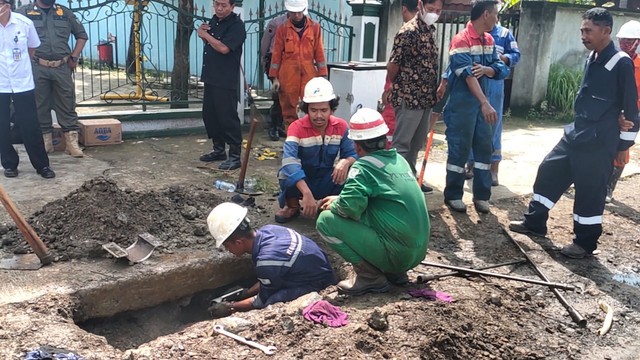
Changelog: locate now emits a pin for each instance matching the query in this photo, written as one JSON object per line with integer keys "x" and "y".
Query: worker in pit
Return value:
{"x": 379, "y": 222}
{"x": 288, "y": 265}
{"x": 309, "y": 169}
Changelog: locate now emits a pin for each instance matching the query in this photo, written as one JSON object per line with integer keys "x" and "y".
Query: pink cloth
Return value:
{"x": 322, "y": 312}
{"x": 431, "y": 294}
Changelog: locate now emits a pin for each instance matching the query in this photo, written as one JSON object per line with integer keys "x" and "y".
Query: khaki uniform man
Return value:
{"x": 53, "y": 65}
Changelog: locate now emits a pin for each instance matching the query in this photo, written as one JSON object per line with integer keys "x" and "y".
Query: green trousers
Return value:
{"x": 55, "y": 90}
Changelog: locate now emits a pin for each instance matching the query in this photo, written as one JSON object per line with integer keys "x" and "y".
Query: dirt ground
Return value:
{"x": 167, "y": 192}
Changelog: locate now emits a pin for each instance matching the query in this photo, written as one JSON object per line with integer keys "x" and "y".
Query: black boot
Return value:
{"x": 217, "y": 154}
{"x": 234, "y": 159}
{"x": 273, "y": 134}
{"x": 615, "y": 176}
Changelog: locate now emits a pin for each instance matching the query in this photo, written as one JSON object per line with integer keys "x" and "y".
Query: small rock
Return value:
{"x": 200, "y": 230}
{"x": 287, "y": 324}
{"x": 296, "y": 306}
{"x": 180, "y": 347}
{"x": 234, "y": 324}
{"x": 3, "y": 229}
{"x": 189, "y": 212}
{"x": 378, "y": 320}
{"x": 495, "y": 300}
{"x": 168, "y": 344}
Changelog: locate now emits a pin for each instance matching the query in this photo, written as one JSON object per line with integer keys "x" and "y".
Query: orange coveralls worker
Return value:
{"x": 296, "y": 59}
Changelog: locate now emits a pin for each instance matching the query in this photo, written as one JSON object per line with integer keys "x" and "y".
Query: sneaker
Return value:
{"x": 10, "y": 173}
{"x": 482, "y": 206}
{"x": 519, "y": 227}
{"x": 213, "y": 156}
{"x": 573, "y": 251}
{"x": 46, "y": 173}
{"x": 456, "y": 205}
{"x": 426, "y": 189}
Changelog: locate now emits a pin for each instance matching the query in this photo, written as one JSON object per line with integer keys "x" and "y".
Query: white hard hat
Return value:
{"x": 629, "y": 30}
{"x": 296, "y": 5}
{"x": 318, "y": 90}
{"x": 224, "y": 219}
{"x": 367, "y": 124}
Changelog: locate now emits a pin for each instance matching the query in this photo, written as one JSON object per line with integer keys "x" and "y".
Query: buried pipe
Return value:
{"x": 426, "y": 278}
{"x": 501, "y": 276}
{"x": 575, "y": 315}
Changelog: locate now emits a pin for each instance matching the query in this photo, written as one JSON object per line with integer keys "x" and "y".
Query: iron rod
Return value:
{"x": 575, "y": 315}
{"x": 501, "y": 276}
{"x": 425, "y": 278}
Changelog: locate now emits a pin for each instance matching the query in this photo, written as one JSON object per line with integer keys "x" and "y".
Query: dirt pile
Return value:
{"x": 100, "y": 212}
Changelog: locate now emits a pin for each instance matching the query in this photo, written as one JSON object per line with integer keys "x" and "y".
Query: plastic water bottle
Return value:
{"x": 223, "y": 185}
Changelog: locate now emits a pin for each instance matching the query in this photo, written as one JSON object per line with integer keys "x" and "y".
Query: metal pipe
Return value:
{"x": 425, "y": 278}
{"x": 575, "y": 315}
{"x": 501, "y": 276}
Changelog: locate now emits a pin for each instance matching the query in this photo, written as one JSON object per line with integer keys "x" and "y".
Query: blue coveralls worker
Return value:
{"x": 584, "y": 156}
{"x": 466, "y": 126}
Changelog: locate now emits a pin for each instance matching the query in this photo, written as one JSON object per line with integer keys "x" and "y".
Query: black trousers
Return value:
{"x": 26, "y": 118}
{"x": 220, "y": 115}
{"x": 589, "y": 169}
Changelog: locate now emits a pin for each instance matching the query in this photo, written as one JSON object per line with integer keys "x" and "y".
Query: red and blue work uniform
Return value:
{"x": 288, "y": 265}
{"x": 310, "y": 155}
{"x": 466, "y": 126}
{"x": 584, "y": 156}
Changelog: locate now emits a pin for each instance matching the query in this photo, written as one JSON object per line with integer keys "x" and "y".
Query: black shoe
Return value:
{"x": 213, "y": 156}
{"x": 519, "y": 227}
{"x": 234, "y": 159}
{"x": 11, "y": 173}
{"x": 282, "y": 132}
{"x": 425, "y": 189}
{"x": 273, "y": 134}
{"x": 46, "y": 173}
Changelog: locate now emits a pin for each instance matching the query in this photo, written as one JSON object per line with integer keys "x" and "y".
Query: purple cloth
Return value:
{"x": 322, "y": 312}
{"x": 431, "y": 294}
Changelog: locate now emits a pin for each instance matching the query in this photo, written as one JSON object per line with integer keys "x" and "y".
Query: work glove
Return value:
{"x": 220, "y": 310}
{"x": 275, "y": 85}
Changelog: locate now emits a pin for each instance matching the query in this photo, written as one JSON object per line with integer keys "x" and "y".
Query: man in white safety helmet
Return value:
{"x": 309, "y": 170}
{"x": 288, "y": 265}
{"x": 379, "y": 222}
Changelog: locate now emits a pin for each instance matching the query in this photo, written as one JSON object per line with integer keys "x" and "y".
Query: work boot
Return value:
{"x": 468, "y": 170}
{"x": 398, "y": 279}
{"x": 289, "y": 212}
{"x": 456, "y": 205}
{"x": 521, "y": 228}
{"x": 573, "y": 251}
{"x": 233, "y": 162}
{"x": 217, "y": 154}
{"x": 615, "y": 176}
{"x": 366, "y": 279}
{"x": 48, "y": 142}
{"x": 482, "y": 206}
{"x": 494, "y": 173}
{"x": 273, "y": 134}
{"x": 72, "y": 147}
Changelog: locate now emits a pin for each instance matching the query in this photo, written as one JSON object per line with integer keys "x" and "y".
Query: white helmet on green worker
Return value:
{"x": 318, "y": 90}
{"x": 367, "y": 124}
{"x": 296, "y": 5}
{"x": 224, "y": 219}
{"x": 629, "y": 30}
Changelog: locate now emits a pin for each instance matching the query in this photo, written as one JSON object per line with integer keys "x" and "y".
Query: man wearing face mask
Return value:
{"x": 628, "y": 39}
{"x": 297, "y": 57}
{"x": 473, "y": 62}
{"x": 20, "y": 40}
{"x": 53, "y": 65}
{"x": 413, "y": 72}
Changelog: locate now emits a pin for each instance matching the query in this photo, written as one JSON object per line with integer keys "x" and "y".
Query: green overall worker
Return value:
{"x": 379, "y": 222}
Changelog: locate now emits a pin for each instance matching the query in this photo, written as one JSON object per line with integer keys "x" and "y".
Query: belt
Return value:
{"x": 51, "y": 63}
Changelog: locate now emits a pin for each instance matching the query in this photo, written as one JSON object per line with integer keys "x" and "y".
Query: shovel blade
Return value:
{"x": 142, "y": 248}
{"x": 21, "y": 262}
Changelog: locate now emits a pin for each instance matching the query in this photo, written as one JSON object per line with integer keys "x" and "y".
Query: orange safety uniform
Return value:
{"x": 296, "y": 59}
{"x": 636, "y": 66}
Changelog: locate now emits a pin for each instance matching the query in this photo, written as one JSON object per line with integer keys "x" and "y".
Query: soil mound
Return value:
{"x": 99, "y": 212}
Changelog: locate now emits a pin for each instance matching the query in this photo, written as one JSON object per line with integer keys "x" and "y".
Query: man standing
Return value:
{"x": 224, "y": 36}
{"x": 469, "y": 116}
{"x": 628, "y": 38}
{"x": 413, "y": 73}
{"x": 584, "y": 156}
{"x": 309, "y": 169}
{"x": 288, "y": 265}
{"x": 379, "y": 222}
{"x": 54, "y": 63}
{"x": 298, "y": 56}
{"x": 266, "y": 52}
{"x": 18, "y": 42}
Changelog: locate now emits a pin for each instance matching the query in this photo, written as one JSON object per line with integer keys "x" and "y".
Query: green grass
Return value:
{"x": 562, "y": 88}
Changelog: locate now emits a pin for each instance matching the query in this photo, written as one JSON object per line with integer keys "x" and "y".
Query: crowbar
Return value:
{"x": 426, "y": 278}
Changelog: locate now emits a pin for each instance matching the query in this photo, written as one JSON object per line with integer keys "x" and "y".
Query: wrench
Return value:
{"x": 269, "y": 350}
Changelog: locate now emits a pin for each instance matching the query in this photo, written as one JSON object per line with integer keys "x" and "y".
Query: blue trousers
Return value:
{"x": 496, "y": 99}
{"x": 467, "y": 130}
{"x": 321, "y": 186}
